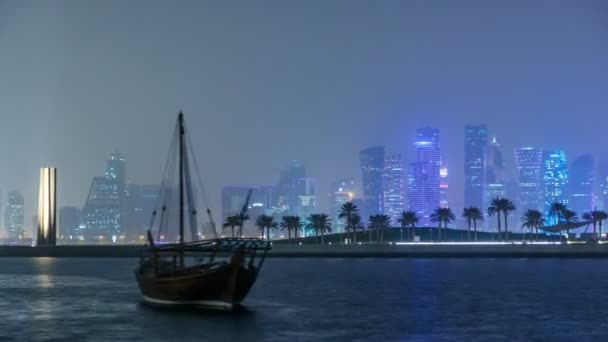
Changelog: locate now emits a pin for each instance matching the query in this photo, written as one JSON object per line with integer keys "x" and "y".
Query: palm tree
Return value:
{"x": 472, "y": 215}
{"x": 408, "y": 219}
{"x": 532, "y": 219}
{"x": 266, "y": 222}
{"x": 241, "y": 218}
{"x": 570, "y": 217}
{"x": 231, "y": 221}
{"x": 319, "y": 223}
{"x": 436, "y": 217}
{"x": 347, "y": 210}
{"x": 379, "y": 223}
{"x": 557, "y": 209}
{"x": 356, "y": 224}
{"x": 506, "y": 206}
{"x": 589, "y": 217}
{"x": 445, "y": 216}
{"x": 494, "y": 208}
{"x": 601, "y": 216}
{"x": 290, "y": 223}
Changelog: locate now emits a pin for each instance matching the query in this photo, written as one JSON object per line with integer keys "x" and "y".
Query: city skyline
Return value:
{"x": 321, "y": 107}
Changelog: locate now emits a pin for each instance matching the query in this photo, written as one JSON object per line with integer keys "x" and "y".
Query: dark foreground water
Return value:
{"x": 44, "y": 299}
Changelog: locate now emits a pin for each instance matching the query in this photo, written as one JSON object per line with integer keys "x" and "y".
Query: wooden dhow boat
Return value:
{"x": 212, "y": 273}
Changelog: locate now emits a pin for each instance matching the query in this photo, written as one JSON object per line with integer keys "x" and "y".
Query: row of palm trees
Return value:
{"x": 320, "y": 224}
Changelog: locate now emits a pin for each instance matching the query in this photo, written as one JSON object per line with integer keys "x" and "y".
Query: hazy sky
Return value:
{"x": 263, "y": 82}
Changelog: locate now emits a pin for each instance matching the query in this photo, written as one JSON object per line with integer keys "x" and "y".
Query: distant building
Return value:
{"x": 13, "y": 216}
{"x": 341, "y": 191}
{"x": 101, "y": 212}
{"x": 443, "y": 186}
{"x": 555, "y": 180}
{"x": 106, "y": 202}
{"x": 263, "y": 199}
{"x": 495, "y": 178}
{"x": 603, "y": 185}
{"x": 424, "y": 174}
{"x": 582, "y": 184}
{"x": 306, "y": 197}
{"x": 529, "y": 166}
{"x": 287, "y": 190}
{"x": 372, "y": 170}
{"x": 70, "y": 219}
{"x": 475, "y": 152}
{"x": 394, "y": 186}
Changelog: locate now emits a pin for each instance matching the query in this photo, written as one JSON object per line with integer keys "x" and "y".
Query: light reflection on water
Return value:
{"x": 47, "y": 299}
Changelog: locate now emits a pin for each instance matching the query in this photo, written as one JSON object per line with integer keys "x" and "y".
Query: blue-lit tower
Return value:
{"x": 555, "y": 180}
{"x": 582, "y": 184}
{"x": 529, "y": 162}
{"x": 424, "y": 174}
{"x": 372, "y": 170}
{"x": 394, "y": 186}
{"x": 475, "y": 152}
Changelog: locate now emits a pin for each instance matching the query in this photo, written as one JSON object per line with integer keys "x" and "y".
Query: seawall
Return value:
{"x": 346, "y": 251}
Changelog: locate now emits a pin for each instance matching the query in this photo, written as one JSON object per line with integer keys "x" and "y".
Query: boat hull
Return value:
{"x": 223, "y": 287}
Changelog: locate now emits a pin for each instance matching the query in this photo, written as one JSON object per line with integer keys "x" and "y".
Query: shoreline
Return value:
{"x": 506, "y": 250}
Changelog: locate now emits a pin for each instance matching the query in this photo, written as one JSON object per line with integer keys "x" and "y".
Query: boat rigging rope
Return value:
{"x": 203, "y": 194}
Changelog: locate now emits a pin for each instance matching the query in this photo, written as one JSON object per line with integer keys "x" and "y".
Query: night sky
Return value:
{"x": 264, "y": 82}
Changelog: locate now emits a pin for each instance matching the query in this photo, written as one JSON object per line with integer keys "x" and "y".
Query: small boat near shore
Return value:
{"x": 211, "y": 273}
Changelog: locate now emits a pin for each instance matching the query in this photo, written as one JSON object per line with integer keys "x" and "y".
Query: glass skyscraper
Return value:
{"x": 340, "y": 192}
{"x": 424, "y": 174}
{"x": 372, "y": 171}
{"x": 529, "y": 162}
{"x": 443, "y": 186}
{"x": 475, "y": 150}
{"x": 394, "y": 186}
{"x": 13, "y": 216}
{"x": 555, "y": 180}
{"x": 287, "y": 187}
{"x": 495, "y": 174}
{"x": 582, "y": 184}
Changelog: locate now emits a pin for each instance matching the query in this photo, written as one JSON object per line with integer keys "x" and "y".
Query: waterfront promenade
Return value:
{"x": 385, "y": 250}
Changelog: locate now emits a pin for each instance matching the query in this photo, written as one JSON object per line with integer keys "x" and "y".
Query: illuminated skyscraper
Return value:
{"x": 306, "y": 197}
{"x": 495, "y": 178}
{"x": 424, "y": 174}
{"x": 555, "y": 179}
{"x": 394, "y": 186}
{"x": 530, "y": 166}
{"x": 372, "y": 170}
{"x": 13, "y": 216}
{"x": 69, "y": 223}
{"x": 582, "y": 184}
{"x": 475, "y": 149}
{"x": 287, "y": 189}
{"x": 47, "y": 208}
{"x": 340, "y": 192}
{"x": 101, "y": 212}
{"x": 603, "y": 184}
{"x": 116, "y": 169}
{"x": 443, "y": 185}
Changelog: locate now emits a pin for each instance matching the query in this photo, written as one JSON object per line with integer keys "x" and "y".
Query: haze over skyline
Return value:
{"x": 262, "y": 83}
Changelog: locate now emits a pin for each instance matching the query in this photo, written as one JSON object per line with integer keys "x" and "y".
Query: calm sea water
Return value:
{"x": 45, "y": 299}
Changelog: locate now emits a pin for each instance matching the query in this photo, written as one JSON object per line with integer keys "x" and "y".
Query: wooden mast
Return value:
{"x": 181, "y": 187}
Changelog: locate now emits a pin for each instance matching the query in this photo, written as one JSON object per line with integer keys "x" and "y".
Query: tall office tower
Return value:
{"x": 394, "y": 186}
{"x": 424, "y": 174}
{"x": 555, "y": 180}
{"x": 116, "y": 169}
{"x": 443, "y": 185}
{"x": 13, "y": 216}
{"x": 306, "y": 197}
{"x": 603, "y": 185}
{"x": 372, "y": 170}
{"x": 132, "y": 218}
{"x": 149, "y": 200}
{"x": 69, "y": 223}
{"x": 529, "y": 166}
{"x": 475, "y": 150}
{"x": 495, "y": 174}
{"x": 101, "y": 212}
{"x": 287, "y": 186}
{"x": 340, "y": 192}
{"x": 47, "y": 208}
{"x": 582, "y": 184}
